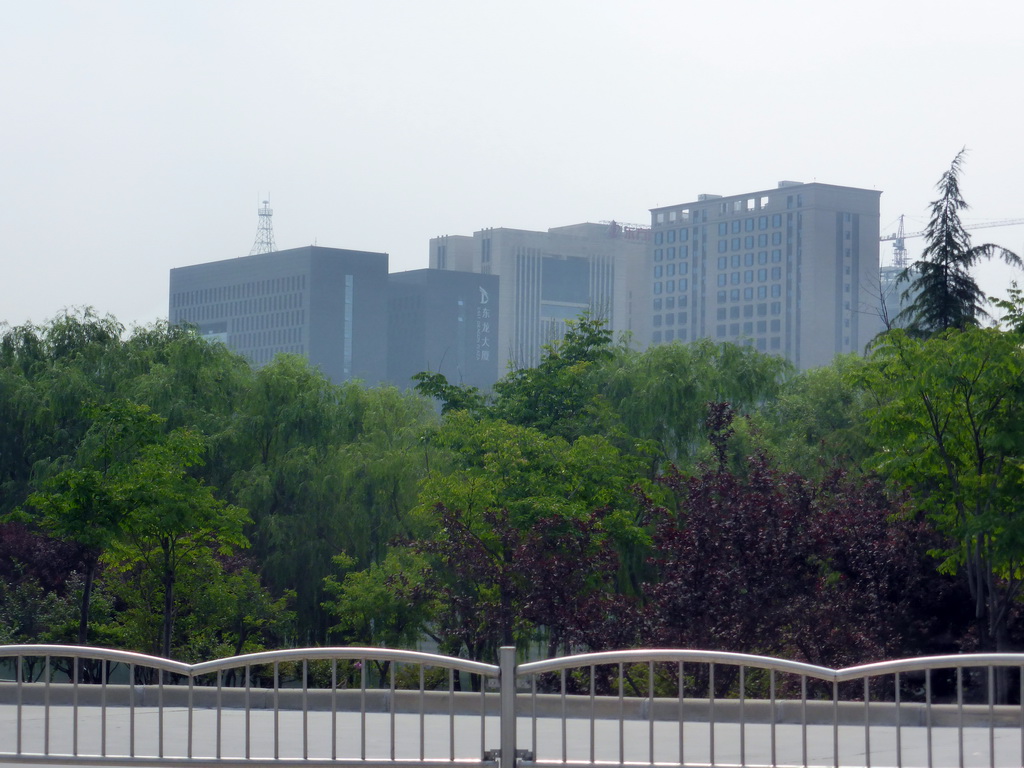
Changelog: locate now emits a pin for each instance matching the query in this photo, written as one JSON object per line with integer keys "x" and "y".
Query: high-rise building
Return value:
{"x": 327, "y": 304}
{"x": 548, "y": 278}
{"x": 443, "y": 322}
{"x": 792, "y": 271}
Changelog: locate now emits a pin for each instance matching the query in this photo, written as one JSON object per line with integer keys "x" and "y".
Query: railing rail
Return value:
{"x": 389, "y": 707}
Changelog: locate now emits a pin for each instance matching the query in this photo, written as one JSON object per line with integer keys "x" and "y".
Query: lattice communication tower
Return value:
{"x": 265, "y": 232}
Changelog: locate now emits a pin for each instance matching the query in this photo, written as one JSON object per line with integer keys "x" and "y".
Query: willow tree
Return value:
{"x": 945, "y": 295}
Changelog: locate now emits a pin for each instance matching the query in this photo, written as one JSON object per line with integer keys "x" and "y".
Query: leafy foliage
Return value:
{"x": 948, "y": 426}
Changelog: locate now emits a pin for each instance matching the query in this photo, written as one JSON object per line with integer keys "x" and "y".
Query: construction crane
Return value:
{"x": 899, "y": 249}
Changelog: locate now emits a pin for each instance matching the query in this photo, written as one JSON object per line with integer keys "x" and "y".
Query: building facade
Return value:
{"x": 792, "y": 271}
{"x": 443, "y": 322}
{"x": 548, "y": 278}
{"x": 327, "y": 304}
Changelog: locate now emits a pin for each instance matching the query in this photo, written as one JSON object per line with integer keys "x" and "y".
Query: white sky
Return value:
{"x": 140, "y": 136}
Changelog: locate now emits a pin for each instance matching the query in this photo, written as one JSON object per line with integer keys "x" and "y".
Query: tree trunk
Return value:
{"x": 83, "y": 619}
{"x": 165, "y": 643}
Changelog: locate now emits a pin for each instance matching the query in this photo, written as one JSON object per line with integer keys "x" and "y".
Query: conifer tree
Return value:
{"x": 945, "y": 294}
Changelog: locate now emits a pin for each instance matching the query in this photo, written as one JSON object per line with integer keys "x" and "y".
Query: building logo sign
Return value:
{"x": 483, "y": 326}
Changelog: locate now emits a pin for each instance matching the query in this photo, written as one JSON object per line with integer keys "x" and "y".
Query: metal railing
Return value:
{"x": 381, "y": 707}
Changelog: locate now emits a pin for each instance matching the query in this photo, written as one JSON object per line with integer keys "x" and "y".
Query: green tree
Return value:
{"x": 172, "y": 519}
{"x": 560, "y": 395}
{"x": 945, "y": 295}
{"x": 662, "y": 393}
{"x": 815, "y": 423}
{"x": 948, "y": 424}
{"x": 84, "y": 502}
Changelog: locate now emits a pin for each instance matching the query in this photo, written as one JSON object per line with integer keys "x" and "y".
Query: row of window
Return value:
{"x": 669, "y": 270}
{"x": 668, "y": 254}
{"x": 747, "y": 259}
{"x": 271, "y": 320}
{"x": 747, "y": 294}
{"x": 261, "y": 305}
{"x": 670, "y": 286}
{"x": 747, "y": 225}
{"x": 670, "y": 302}
{"x": 670, "y": 319}
{"x": 747, "y": 276}
{"x": 735, "y": 226}
{"x": 739, "y": 243}
{"x": 251, "y": 289}
{"x": 252, "y": 342}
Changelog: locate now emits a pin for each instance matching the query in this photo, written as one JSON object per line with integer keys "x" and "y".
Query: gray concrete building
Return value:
{"x": 443, "y": 322}
{"x": 548, "y": 278}
{"x": 792, "y": 271}
{"x": 327, "y": 304}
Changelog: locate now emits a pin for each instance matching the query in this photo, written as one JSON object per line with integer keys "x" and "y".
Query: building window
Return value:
{"x": 723, "y": 228}
{"x": 658, "y": 270}
{"x": 776, "y": 291}
{"x": 657, "y": 304}
{"x": 346, "y": 361}
{"x": 656, "y": 337}
{"x": 670, "y": 253}
{"x": 777, "y": 220}
{"x": 776, "y": 256}
{"x": 723, "y": 246}
{"x": 736, "y": 243}
{"x": 736, "y": 226}
{"x": 683, "y": 234}
{"x": 659, "y": 238}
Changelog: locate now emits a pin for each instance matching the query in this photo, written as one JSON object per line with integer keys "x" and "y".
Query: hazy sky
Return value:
{"x": 141, "y": 136}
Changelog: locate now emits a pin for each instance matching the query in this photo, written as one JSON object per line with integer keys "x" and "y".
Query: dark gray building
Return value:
{"x": 327, "y": 304}
{"x": 444, "y": 322}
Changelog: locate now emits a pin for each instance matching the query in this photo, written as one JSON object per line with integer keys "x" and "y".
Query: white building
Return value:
{"x": 547, "y": 278}
{"x": 791, "y": 270}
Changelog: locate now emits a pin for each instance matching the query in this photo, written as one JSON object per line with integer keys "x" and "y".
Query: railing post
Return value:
{"x": 507, "y": 688}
